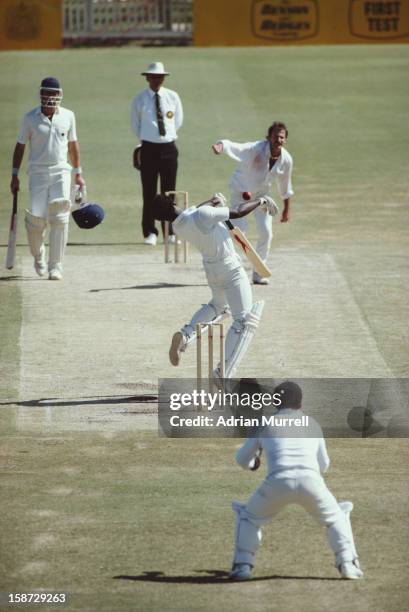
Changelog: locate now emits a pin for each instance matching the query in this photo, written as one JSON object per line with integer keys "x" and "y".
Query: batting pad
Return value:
{"x": 239, "y": 337}
{"x": 58, "y": 218}
{"x": 35, "y": 227}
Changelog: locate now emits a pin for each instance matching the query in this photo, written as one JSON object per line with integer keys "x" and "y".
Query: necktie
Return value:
{"x": 159, "y": 116}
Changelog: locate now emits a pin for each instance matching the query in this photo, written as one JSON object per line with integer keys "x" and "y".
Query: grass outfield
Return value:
{"x": 93, "y": 503}
{"x": 133, "y": 522}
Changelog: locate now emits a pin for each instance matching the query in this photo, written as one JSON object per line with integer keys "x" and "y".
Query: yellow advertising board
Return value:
{"x": 30, "y": 24}
{"x": 283, "y": 22}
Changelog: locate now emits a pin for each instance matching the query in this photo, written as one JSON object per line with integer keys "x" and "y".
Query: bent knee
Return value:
{"x": 218, "y": 307}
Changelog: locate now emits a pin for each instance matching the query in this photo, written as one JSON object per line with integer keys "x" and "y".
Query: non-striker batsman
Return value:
{"x": 51, "y": 131}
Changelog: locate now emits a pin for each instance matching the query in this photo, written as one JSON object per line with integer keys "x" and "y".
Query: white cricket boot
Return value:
{"x": 55, "y": 273}
{"x": 241, "y": 571}
{"x": 178, "y": 346}
{"x": 259, "y": 280}
{"x": 350, "y": 570}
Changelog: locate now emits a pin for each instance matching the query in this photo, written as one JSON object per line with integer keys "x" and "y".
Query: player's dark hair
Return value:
{"x": 277, "y": 126}
{"x": 291, "y": 394}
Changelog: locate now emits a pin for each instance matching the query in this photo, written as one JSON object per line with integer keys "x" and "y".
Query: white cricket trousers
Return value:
{"x": 310, "y": 492}
{"x": 47, "y": 187}
{"x": 229, "y": 288}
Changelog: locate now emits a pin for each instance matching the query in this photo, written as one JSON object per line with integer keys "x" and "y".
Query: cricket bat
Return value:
{"x": 241, "y": 241}
{"x": 11, "y": 247}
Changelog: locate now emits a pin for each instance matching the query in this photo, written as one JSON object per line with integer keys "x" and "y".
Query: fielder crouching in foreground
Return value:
{"x": 295, "y": 468}
{"x": 51, "y": 132}
{"x": 205, "y": 228}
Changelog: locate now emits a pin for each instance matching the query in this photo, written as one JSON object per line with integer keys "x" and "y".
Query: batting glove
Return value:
{"x": 80, "y": 196}
{"x": 269, "y": 205}
{"x": 219, "y": 199}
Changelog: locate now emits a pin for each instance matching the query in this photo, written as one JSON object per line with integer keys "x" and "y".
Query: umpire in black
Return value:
{"x": 157, "y": 114}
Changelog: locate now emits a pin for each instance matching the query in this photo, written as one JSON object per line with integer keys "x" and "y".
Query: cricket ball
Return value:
{"x": 246, "y": 195}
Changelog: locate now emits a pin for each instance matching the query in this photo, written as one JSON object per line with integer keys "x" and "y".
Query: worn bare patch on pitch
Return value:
{"x": 33, "y": 568}
{"x": 94, "y": 345}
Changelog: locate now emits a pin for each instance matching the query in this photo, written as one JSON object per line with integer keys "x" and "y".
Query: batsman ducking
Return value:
{"x": 208, "y": 228}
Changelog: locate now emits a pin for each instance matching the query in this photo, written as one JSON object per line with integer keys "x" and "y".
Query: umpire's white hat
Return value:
{"x": 155, "y": 68}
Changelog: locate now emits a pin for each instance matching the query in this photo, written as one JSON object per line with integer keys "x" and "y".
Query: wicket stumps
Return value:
{"x": 184, "y": 197}
{"x": 209, "y": 327}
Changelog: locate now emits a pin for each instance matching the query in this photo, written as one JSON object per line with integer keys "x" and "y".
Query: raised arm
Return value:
{"x": 247, "y": 207}
{"x": 235, "y": 150}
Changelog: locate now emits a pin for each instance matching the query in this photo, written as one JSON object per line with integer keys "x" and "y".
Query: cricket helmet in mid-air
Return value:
{"x": 88, "y": 216}
{"x": 50, "y": 92}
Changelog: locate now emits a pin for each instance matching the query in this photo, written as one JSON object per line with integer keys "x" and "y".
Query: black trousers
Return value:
{"x": 157, "y": 161}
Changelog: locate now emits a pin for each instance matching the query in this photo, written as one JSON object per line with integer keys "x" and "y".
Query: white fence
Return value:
{"x": 160, "y": 20}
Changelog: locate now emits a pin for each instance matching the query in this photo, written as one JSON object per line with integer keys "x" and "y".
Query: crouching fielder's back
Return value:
{"x": 295, "y": 468}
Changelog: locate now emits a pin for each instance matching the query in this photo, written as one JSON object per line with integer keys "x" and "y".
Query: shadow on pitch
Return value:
{"x": 55, "y": 402}
{"x": 153, "y": 286}
{"x": 15, "y": 277}
{"x": 210, "y": 577}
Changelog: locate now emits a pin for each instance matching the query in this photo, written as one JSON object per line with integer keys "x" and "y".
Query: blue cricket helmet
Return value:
{"x": 88, "y": 216}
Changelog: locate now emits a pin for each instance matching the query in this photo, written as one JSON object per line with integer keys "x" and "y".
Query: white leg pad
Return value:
{"x": 239, "y": 337}
{"x": 247, "y": 535}
{"x": 58, "y": 218}
{"x": 35, "y": 227}
{"x": 340, "y": 537}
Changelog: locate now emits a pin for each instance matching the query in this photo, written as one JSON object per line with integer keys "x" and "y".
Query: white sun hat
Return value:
{"x": 155, "y": 68}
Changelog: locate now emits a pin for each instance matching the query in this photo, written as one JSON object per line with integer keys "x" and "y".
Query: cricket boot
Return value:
{"x": 350, "y": 570}
{"x": 178, "y": 346}
{"x": 241, "y": 571}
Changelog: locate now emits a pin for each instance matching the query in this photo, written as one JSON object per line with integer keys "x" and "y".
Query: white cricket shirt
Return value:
{"x": 288, "y": 457}
{"x": 204, "y": 228}
{"x": 48, "y": 139}
{"x": 253, "y": 172}
{"x": 144, "y": 119}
